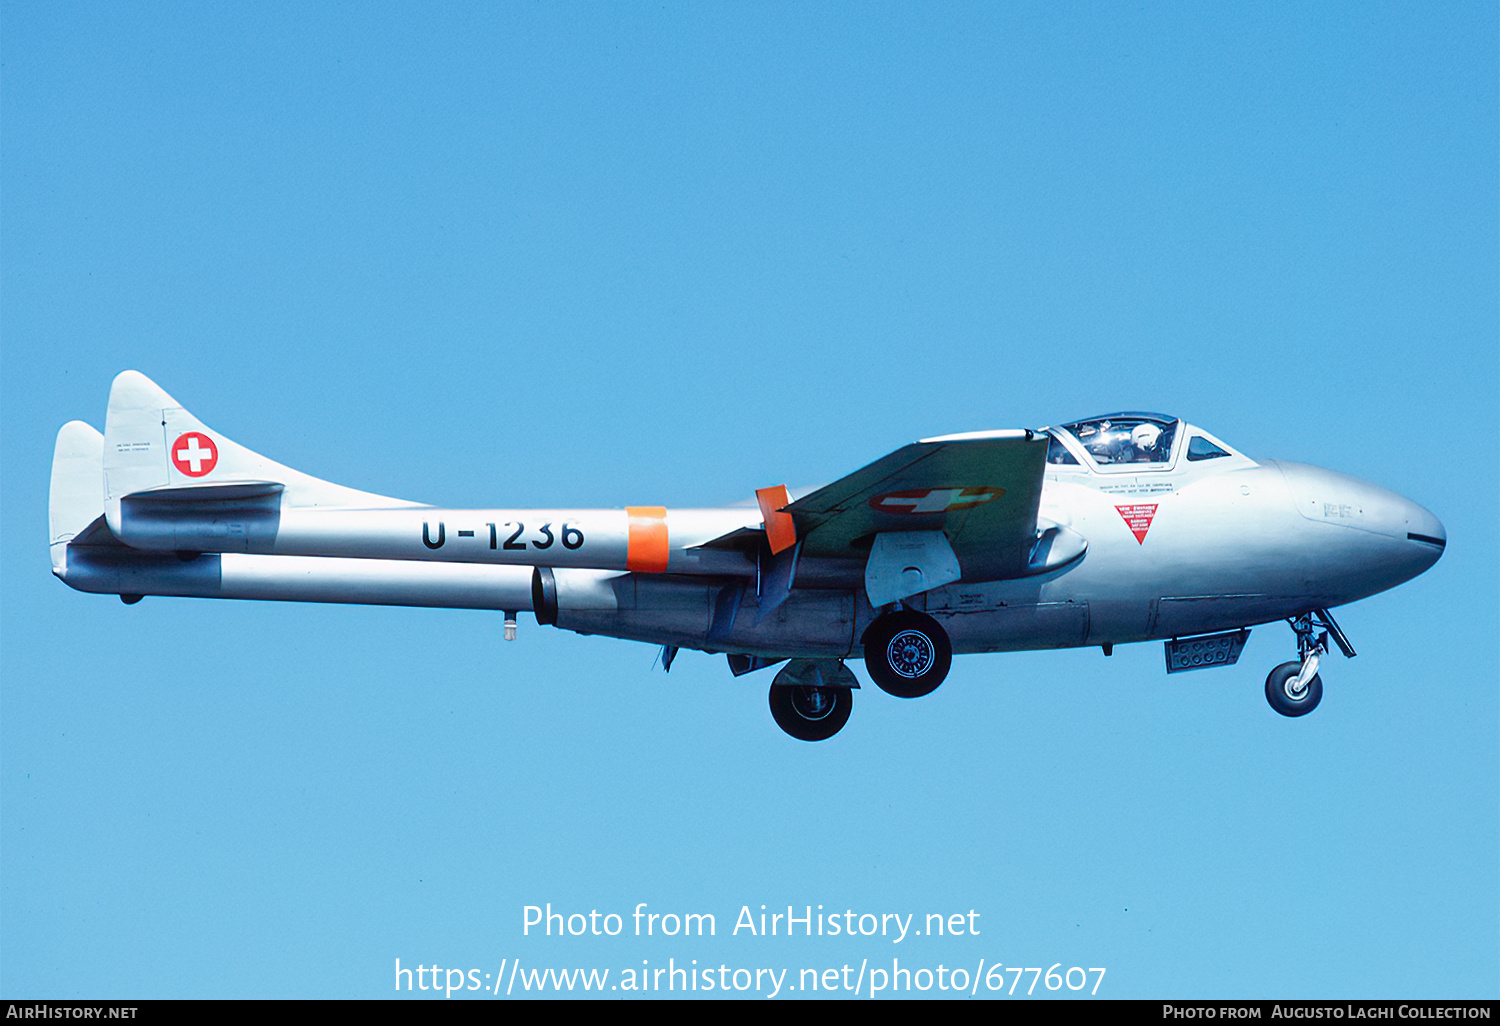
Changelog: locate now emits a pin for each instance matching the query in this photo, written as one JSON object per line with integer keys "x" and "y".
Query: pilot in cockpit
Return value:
{"x": 1112, "y": 442}
{"x": 1146, "y": 440}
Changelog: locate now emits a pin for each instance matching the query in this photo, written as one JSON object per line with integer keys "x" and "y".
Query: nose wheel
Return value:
{"x": 1295, "y": 689}
{"x": 1289, "y": 694}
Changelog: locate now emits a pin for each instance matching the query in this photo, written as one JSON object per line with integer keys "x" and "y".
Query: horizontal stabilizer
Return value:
{"x": 87, "y": 556}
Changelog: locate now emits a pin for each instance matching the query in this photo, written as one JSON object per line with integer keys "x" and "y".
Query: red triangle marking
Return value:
{"x": 1138, "y": 519}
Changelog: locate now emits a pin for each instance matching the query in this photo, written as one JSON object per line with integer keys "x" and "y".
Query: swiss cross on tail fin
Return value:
{"x": 194, "y": 454}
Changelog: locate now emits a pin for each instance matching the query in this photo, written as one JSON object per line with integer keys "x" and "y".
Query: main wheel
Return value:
{"x": 810, "y": 713}
{"x": 907, "y": 653}
{"x": 1279, "y": 691}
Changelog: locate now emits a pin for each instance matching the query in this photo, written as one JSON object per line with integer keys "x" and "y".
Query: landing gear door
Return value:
{"x": 907, "y": 563}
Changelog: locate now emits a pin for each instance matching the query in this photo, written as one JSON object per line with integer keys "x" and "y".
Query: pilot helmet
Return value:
{"x": 1145, "y": 436}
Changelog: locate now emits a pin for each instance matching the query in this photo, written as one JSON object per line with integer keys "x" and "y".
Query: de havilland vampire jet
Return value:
{"x": 1121, "y": 528}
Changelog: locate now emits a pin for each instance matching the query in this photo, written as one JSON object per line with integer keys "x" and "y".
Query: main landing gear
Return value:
{"x": 810, "y": 713}
{"x": 907, "y": 653}
{"x": 1295, "y": 689}
{"x": 811, "y": 698}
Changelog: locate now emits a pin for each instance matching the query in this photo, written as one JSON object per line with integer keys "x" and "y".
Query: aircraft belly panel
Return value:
{"x": 682, "y": 613}
{"x": 1013, "y": 628}
{"x": 1176, "y": 616}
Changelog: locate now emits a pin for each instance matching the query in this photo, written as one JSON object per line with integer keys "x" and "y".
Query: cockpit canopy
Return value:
{"x": 1143, "y": 441}
{"x": 1127, "y": 438}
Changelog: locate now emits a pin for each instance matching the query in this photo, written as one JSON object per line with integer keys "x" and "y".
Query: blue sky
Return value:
{"x": 598, "y": 255}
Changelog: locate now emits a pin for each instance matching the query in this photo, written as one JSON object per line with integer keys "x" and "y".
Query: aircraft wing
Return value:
{"x": 981, "y": 490}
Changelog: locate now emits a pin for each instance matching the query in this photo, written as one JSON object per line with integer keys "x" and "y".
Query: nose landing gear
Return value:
{"x": 1294, "y": 688}
{"x": 1291, "y": 691}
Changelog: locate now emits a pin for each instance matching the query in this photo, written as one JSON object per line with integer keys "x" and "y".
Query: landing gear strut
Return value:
{"x": 1295, "y": 689}
{"x": 907, "y": 653}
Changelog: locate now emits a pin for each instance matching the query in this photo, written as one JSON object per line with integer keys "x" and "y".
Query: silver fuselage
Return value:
{"x": 1167, "y": 551}
{"x": 1226, "y": 547}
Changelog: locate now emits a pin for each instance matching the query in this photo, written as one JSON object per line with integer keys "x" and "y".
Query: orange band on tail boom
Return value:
{"x": 646, "y": 543}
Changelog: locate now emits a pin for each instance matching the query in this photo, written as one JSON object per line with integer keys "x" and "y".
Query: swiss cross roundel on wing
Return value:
{"x": 194, "y": 454}
{"x": 934, "y": 500}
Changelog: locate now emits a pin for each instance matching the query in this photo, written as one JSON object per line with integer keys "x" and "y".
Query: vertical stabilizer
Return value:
{"x": 76, "y": 498}
{"x": 152, "y": 444}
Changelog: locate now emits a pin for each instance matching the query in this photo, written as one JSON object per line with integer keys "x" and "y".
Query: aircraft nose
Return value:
{"x": 1411, "y": 538}
{"x": 1425, "y": 530}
